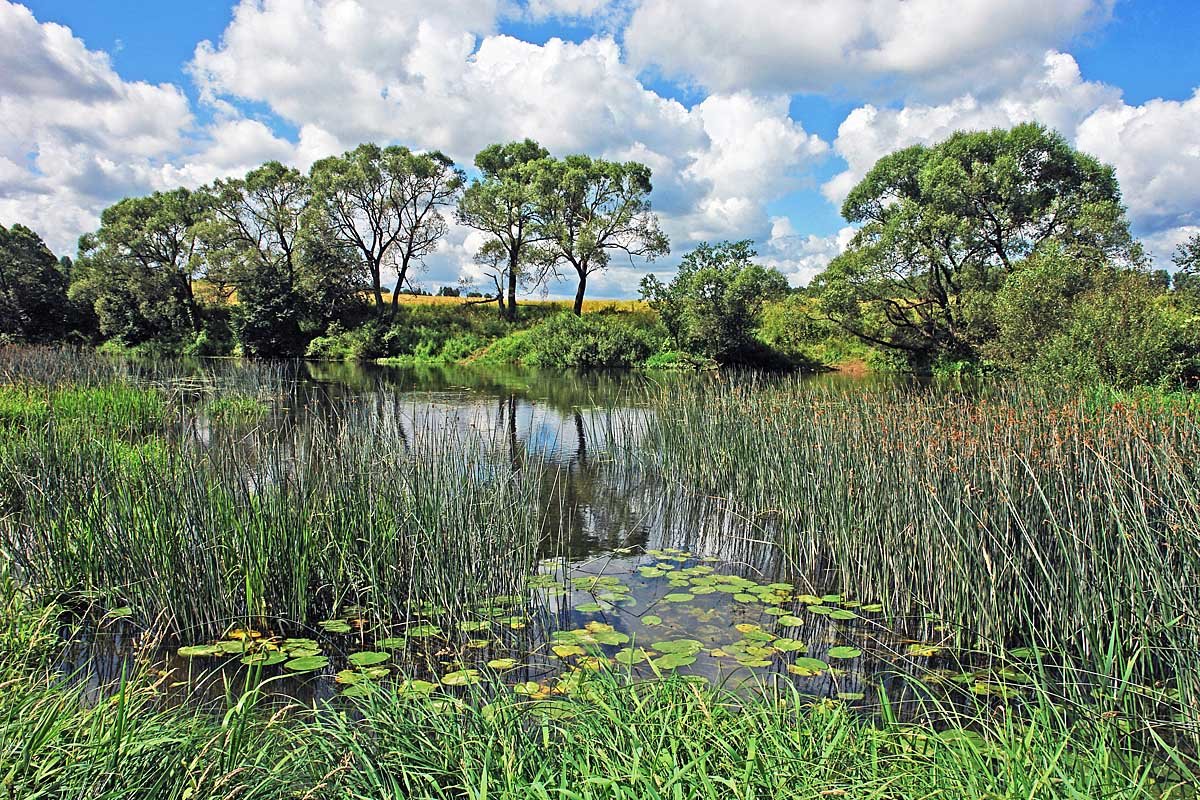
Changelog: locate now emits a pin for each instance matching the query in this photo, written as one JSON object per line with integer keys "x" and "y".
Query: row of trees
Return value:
{"x": 302, "y": 251}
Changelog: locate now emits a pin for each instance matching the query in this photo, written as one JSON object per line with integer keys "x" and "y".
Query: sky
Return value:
{"x": 757, "y": 117}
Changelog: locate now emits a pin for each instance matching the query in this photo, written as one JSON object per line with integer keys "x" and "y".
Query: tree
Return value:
{"x": 588, "y": 208}
{"x": 712, "y": 305}
{"x": 33, "y": 291}
{"x": 942, "y": 227}
{"x": 503, "y": 205}
{"x": 253, "y": 236}
{"x": 384, "y": 203}
{"x": 1187, "y": 264}
{"x": 139, "y": 267}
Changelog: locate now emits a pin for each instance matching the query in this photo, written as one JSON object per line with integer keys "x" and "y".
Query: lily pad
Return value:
{"x": 844, "y": 652}
{"x": 678, "y": 597}
{"x": 264, "y": 658}
{"x": 199, "y": 651}
{"x": 673, "y": 661}
{"x": 807, "y": 667}
{"x": 307, "y": 663}
{"x": 503, "y": 663}
{"x": 789, "y": 646}
{"x": 392, "y": 643}
{"x": 652, "y": 619}
{"x": 589, "y": 608}
{"x": 412, "y": 687}
{"x": 565, "y": 650}
{"x": 790, "y": 621}
{"x": 424, "y": 631}
{"x": 367, "y": 658}
{"x": 631, "y": 655}
{"x": 462, "y": 677}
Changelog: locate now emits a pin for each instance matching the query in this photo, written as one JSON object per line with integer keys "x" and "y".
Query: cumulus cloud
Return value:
{"x": 74, "y": 134}
{"x": 823, "y": 45}
{"x": 801, "y": 257}
{"x": 1154, "y": 146}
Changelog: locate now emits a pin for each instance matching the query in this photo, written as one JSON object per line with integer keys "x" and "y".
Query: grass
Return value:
{"x": 982, "y": 518}
{"x": 609, "y": 738}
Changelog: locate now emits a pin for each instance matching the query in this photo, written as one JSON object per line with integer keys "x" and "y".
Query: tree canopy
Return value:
{"x": 588, "y": 209}
{"x": 942, "y": 227}
{"x": 33, "y": 291}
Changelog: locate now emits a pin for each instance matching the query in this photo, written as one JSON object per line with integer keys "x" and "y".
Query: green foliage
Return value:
{"x": 588, "y": 209}
{"x": 713, "y": 304}
{"x": 794, "y": 326}
{"x": 942, "y": 227}
{"x": 33, "y": 291}
{"x": 503, "y": 206}
{"x": 592, "y": 341}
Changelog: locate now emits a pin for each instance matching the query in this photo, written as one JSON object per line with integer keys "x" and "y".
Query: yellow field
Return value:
{"x": 207, "y": 293}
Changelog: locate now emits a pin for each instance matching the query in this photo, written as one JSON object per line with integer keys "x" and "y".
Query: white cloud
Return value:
{"x": 567, "y": 9}
{"x": 819, "y": 45}
{"x": 73, "y": 133}
{"x": 1156, "y": 150}
{"x": 798, "y": 256}
{"x": 1058, "y": 97}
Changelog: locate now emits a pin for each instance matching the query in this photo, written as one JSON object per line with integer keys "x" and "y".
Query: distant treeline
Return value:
{"x": 1003, "y": 250}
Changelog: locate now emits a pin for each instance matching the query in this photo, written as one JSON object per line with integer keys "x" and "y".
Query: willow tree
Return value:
{"x": 384, "y": 204}
{"x": 942, "y": 228}
{"x": 587, "y": 209}
{"x": 502, "y": 204}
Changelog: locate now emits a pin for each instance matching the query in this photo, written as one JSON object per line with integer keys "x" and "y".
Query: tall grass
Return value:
{"x": 200, "y": 522}
{"x": 1010, "y": 515}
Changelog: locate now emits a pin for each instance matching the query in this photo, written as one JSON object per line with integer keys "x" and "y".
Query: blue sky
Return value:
{"x": 757, "y": 116}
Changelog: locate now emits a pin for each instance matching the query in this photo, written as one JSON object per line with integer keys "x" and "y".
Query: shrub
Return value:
{"x": 595, "y": 341}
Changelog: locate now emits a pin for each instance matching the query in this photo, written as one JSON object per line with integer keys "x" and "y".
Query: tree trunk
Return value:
{"x": 375, "y": 285}
{"x": 513, "y": 262}
{"x": 579, "y": 294}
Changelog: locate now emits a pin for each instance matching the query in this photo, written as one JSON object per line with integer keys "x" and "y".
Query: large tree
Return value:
{"x": 140, "y": 266}
{"x": 33, "y": 290}
{"x": 385, "y": 204}
{"x": 942, "y": 227}
{"x": 589, "y": 208}
{"x": 502, "y": 204}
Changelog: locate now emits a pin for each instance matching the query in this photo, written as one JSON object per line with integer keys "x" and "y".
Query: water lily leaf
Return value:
{"x": 360, "y": 689}
{"x": 462, "y": 677}
{"x": 823, "y": 610}
{"x": 264, "y": 658}
{"x": 652, "y": 619}
{"x": 472, "y": 625}
{"x": 349, "y": 676}
{"x": 392, "y": 643}
{"x": 844, "y": 652}
{"x": 673, "y": 661}
{"x": 789, "y": 645}
{"x": 240, "y": 635}
{"x": 565, "y": 650}
{"x": 678, "y": 646}
{"x": 746, "y": 627}
{"x": 611, "y": 638}
{"x": 873, "y": 608}
{"x": 424, "y": 631}
{"x": 335, "y": 626}
{"x": 231, "y": 647}
{"x": 702, "y": 589}
{"x": 199, "y": 651}
{"x": 831, "y": 598}
{"x": 807, "y": 667}
{"x": 651, "y": 572}
{"x": 411, "y": 687}
{"x": 367, "y": 658}
{"x": 842, "y": 614}
{"x": 790, "y": 621}
{"x": 589, "y": 608}
{"x": 631, "y": 655}
{"x": 678, "y": 597}
{"x": 307, "y": 663}
{"x": 743, "y": 597}
{"x": 503, "y": 663}
{"x": 809, "y": 599}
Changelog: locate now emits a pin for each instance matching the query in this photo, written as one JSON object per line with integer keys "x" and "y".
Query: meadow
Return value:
{"x": 281, "y": 580}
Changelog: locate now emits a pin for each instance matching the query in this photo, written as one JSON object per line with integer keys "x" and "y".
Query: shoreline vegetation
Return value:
{"x": 115, "y": 517}
{"x": 1002, "y": 252}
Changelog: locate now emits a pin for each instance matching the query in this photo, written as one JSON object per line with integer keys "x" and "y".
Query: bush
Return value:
{"x": 595, "y": 341}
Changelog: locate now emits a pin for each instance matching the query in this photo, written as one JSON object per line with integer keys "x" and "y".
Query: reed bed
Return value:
{"x": 200, "y": 522}
{"x": 1010, "y": 515}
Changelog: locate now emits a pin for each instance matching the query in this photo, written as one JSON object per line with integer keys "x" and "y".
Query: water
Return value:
{"x": 629, "y": 564}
